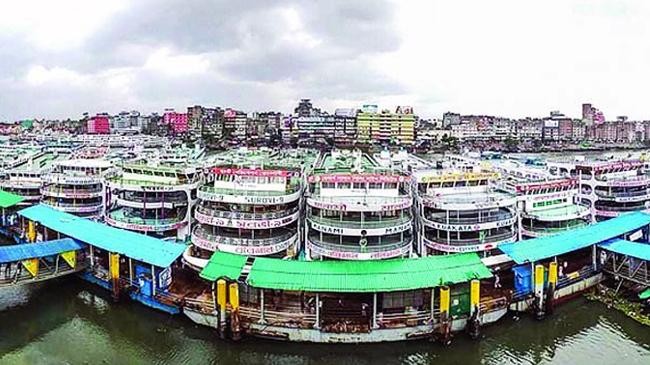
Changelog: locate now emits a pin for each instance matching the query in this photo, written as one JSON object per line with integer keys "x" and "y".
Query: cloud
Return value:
{"x": 507, "y": 57}
{"x": 149, "y": 55}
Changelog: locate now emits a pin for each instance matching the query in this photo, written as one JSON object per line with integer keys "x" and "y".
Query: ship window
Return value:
{"x": 403, "y": 299}
{"x": 327, "y": 185}
{"x": 390, "y": 185}
{"x": 374, "y": 185}
{"x": 359, "y": 185}
{"x": 344, "y": 185}
{"x": 331, "y": 213}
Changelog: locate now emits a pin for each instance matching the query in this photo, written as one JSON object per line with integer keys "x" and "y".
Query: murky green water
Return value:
{"x": 70, "y": 322}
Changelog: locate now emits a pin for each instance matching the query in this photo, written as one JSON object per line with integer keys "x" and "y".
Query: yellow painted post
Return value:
{"x": 539, "y": 277}
{"x": 221, "y": 302}
{"x": 114, "y": 265}
{"x": 221, "y": 293}
{"x": 31, "y": 231}
{"x": 552, "y": 273}
{"x": 539, "y": 288}
{"x": 114, "y": 270}
{"x": 445, "y": 299}
{"x": 234, "y": 311}
{"x": 234, "y": 296}
{"x": 474, "y": 295}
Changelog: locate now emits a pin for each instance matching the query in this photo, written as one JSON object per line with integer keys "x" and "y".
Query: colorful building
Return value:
{"x": 385, "y": 127}
{"x": 176, "y": 121}
{"x": 99, "y": 124}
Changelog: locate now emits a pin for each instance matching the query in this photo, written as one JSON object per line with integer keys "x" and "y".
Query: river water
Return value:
{"x": 70, "y": 322}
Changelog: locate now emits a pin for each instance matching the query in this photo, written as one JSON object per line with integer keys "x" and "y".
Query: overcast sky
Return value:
{"x": 510, "y": 58}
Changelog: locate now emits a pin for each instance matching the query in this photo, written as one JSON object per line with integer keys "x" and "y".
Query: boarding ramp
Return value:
{"x": 36, "y": 262}
{"x": 626, "y": 260}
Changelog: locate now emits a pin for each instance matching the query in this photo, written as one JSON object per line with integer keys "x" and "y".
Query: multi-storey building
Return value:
{"x": 565, "y": 129}
{"x": 202, "y": 120}
{"x": 345, "y": 127}
{"x": 177, "y": 122}
{"x": 235, "y": 126}
{"x": 99, "y": 124}
{"x": 384, "y": 128}
{"x": 315, "y": 128}
{"x": 578, "y": 130}
{"x": 531, "y": 129}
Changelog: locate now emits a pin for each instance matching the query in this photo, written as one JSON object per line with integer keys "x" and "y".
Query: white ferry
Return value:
{"x": 463, "y": 211}
{"x": 610, "y": 188}
{"x": 76, "y": 187}
{"x": 155, "y": 200}
{"x": 357, "y": 210}
{"x": 249, "y": 205}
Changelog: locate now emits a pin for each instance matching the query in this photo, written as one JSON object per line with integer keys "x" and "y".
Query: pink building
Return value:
{"x": 177, "y": 121}
{"x": 99, "y": 124}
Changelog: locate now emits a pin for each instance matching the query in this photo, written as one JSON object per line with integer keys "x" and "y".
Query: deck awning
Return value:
{"x": 351, "y": 276}
{"x": 8, "y": 199}
{"x": 137, "y": 246}
{"x": 545, "y": 247}
{"x": 15, "y": 253}
{"x": 223, "y": 265}
{"x": 637, "y": 250}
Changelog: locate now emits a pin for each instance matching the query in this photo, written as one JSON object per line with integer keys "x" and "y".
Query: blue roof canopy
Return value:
{"x": 623, "y": 247}
{"x": 561, "y": 243}
{"x": 137, "y": 246}
{"x": 28, "y": 251}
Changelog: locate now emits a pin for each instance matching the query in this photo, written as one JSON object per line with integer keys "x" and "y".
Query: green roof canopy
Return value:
{"x": 645, "y": 294}
{"x": 350, "y": 276}
{"x": 223, "y": 265}
{"x": 9, "y": 200}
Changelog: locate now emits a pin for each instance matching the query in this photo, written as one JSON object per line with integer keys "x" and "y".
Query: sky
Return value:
{"x": 59, "y": 59}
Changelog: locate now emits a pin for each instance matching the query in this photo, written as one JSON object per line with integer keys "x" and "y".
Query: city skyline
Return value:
{"x": 506, "y": 58}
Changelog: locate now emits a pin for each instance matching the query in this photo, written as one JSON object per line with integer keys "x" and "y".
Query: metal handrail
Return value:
{"x": 554, "y": 229}
{"x": 70, "y": 205}
{"x": 144, "y": 221}
{"x": 472, "y": 241}
{"x": 121, "y": 181}
{"x": 201, "y": 233}
{"x": 622, "y": 209}
{"x": 243, "y": 215}
{"x": 621, "y": 194}
{"x": 292, "y": 189}
{"x": 359, "y": 224}
{"x": 357, "y": 248}
{"x": 51, "y": 189}
{"x": 442, "y": 218}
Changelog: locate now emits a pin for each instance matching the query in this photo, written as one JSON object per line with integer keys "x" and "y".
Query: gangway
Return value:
{"x": 626, "y": 260}
{"x": 35, "y": 262}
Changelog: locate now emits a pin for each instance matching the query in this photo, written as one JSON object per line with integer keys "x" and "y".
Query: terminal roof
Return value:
{"x": 549, "y": 246}
{"x": 137, "y": 246}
